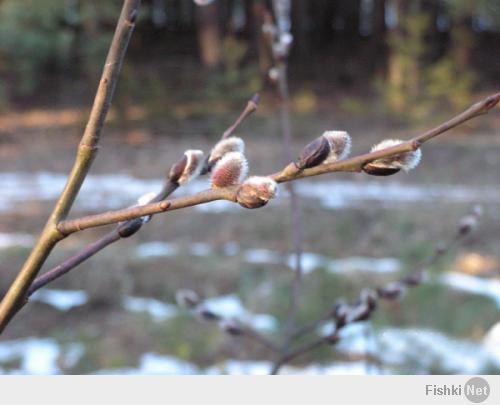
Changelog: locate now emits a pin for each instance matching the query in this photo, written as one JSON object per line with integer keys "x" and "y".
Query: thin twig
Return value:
{"x": 413, "y": 278}
{"x": 250, "y": 108}
{"x": 294, "y": 204}
{"x": 85, "y": 156}
{"x": 188, "y": 299}
{"x": 289, "y": 173}
{"x": 129, "y": 227}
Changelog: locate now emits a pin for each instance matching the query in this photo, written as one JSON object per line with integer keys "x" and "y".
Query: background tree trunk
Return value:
{"x": 209, "y": 37}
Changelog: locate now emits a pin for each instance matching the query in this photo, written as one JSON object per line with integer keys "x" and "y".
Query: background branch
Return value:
{"x": 367, "y": 302}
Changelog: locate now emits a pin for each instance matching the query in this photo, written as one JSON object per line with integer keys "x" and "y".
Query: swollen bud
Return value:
{"x": 467, "y": 224}
{"x": 414, "y": 278}
{"x": 187, "y": 168}
{"x": 231, "y": 144}
{"x": 313, "y": 153}
{"x": 231, "y": 327}
{"x": 340, "y": 145}
{"x": 256, "y": 191}
{"x": 127, "y": 228}
{"x": 230, "y": 170}
{"x": 187, "y": 299}
{"x": 207, "y": 315}
{"x": 391, "y": 291}
{"x": 391, "y": 165}
{"x": 360, "y": 312}
{"x": 368, "y": 297}
{"x": 340, "y": 314}
{"x": 333, "y": 339}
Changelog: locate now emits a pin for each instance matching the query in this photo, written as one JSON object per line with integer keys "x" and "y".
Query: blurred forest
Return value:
{"x": 418, "y": 56}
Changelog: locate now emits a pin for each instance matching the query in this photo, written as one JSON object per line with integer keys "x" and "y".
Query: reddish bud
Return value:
{"x": 256, "y": 191}
{"x": 230, "y": 170}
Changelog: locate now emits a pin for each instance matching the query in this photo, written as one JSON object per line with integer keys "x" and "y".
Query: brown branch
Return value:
{"x": 112, "y": 217}
{"x": 85, "y": 156}
{"x": 125, "y": 229}
{"x": 356, "y": 164}
{"x": 189, "y": 300}
{"x": 390, "y": 291}
{"x": 289, "y": 173}
{"x": 250, "y": 108}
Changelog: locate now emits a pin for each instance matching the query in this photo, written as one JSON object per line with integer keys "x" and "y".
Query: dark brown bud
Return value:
{"x": 360, "y": 312}
{"x": 187, "y": 299}
{"x": 392, "y": 164}
{"x": 340, "y": 314}
{"x": 207, "y": 315}
{"x": 128, "y": 228}
{"x": 187, "y": 168}
{"x": 313, "y": 153}
{"x": 177, "y": 169}
{"x": 332, "y": 339}
{"x": 391, "y": 291}
{"x": 414, "y": 278}
{"x": 375, "y": 170}
{"x": 467, "y": 225}
{"x": 231, "y": 327}
{"x": 368, "y": 297}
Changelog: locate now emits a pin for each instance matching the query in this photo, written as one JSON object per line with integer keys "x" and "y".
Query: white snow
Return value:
{"x": 119, "y": 190}
{"x": 9, "y": 240}
{"x": 473, "y": 285}
{"x": 62, "y": 300}
{"x": 230, "y": 306}
{"x": 158, "y": 310}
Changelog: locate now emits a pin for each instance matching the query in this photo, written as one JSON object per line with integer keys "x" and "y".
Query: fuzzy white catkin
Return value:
{"x": 406, "y": 160}
{"x": 231, "y": 144}
{"x": 193, "y": 166}
{"x": 340, "y": 145}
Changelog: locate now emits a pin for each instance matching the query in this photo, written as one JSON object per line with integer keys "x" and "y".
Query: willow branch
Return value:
{"x": 289, "y": 173}
{"x": 390, "y": 291}
{"x": 85, "y": 156}
{"x": 188, "y": 299}
{"x": 250, "y": 108}
{"x": 356, "y": 164}
{"x": 128, "y": 228}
